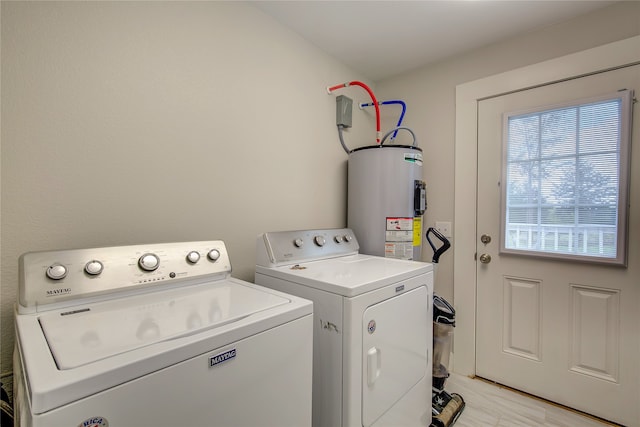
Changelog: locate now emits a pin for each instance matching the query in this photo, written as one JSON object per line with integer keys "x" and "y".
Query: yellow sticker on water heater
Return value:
{"x": 417, "y": 231}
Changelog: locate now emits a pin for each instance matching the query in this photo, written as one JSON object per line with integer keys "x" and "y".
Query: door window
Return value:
{"x": 565, "y": 174}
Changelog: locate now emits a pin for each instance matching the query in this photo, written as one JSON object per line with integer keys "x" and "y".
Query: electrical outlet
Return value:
{"x": 444, "y": 228}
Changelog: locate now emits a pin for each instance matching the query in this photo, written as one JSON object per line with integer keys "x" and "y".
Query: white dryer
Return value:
{"x": 372, "y": 326}
{"x": 157, "y": 335}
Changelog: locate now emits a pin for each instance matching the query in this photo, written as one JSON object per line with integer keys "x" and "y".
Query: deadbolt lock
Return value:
{"x": 485, "y": 238}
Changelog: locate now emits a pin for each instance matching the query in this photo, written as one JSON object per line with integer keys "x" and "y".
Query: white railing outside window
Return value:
{"x": 586, "y": 240}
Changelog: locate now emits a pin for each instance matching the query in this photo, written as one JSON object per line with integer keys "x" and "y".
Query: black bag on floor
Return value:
{"x": 6, "y": 411}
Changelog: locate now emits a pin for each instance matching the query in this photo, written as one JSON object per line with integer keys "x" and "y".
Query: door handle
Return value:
{"x": 485, "y": 258}
{"x": 374, "y": 362}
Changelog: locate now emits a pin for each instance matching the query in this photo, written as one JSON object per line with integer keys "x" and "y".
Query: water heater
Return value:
{"x": 386, "y": 200}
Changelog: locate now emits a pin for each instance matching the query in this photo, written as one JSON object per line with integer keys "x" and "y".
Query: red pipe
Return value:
{"x": 332, "y": 88}
{"x": 373, "y": 99}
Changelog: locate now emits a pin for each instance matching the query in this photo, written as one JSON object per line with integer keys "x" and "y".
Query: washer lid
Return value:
{"x": 86, "y": 334}
{"x": 348, "y": 275}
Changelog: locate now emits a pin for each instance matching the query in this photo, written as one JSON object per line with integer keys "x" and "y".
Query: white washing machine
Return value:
{"x": 372, "y": 326}
{"x": 157, "y": 335}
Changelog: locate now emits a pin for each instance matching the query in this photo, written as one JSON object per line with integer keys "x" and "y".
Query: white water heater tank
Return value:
{"x": 387, "y": 200}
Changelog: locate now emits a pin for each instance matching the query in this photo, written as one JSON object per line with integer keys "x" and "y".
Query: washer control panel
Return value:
{"x": 291, "y": 247}
{"x": 53, "y": 277}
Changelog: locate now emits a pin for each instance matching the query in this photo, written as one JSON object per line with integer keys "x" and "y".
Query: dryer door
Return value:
{"x": 394, "y": 352}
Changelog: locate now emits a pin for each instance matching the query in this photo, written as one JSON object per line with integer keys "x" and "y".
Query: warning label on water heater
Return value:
{"x": 399, "y": 224}
{"x": 399, "y": 238}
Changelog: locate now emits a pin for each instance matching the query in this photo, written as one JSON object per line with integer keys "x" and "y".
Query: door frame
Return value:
{"x": 599, "y": 59}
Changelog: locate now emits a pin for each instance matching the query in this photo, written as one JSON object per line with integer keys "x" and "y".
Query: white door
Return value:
{"x": 566, "y": 331}
{"x": 394, "y": 350}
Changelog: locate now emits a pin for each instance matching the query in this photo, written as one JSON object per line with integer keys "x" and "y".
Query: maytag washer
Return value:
{"x": 372, "y": 326}
{"x": 157, "y": 335}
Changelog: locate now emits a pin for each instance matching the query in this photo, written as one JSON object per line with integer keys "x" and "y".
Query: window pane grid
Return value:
{"x": 562, "y": 180}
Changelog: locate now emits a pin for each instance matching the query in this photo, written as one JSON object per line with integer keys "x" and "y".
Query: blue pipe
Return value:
{"x": 395, "y": 101}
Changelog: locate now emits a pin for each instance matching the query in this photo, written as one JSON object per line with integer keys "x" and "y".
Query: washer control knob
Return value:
{"x": 213, "y": 255}
{"x": 337, "y": 238}
{"x": 56, "y": 271}
{"x": 93, "y": 267}
{"x": 298, "y": 242}
{"x": 319, "y": 240}
{"x": 149, "y": 262}
{"x": 193, "y": 257}
{"x": 348, "y": 238}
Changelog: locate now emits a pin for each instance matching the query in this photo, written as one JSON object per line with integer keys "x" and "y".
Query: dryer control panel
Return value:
{"x": 51, "y": 279}
{"x": 291, "y": 247}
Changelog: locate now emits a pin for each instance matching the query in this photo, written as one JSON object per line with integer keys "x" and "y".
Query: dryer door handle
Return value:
{"x": 374, "y": 365}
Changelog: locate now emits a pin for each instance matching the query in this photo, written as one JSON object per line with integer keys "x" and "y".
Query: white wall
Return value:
{"x": 144, "y": 122}
{"x": 430, "y": 96}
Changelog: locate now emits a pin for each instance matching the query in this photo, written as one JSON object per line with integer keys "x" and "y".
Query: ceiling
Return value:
{"x": 381, "y": 39}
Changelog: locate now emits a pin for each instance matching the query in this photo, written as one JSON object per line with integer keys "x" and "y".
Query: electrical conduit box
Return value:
{"x": 344, "y": 106}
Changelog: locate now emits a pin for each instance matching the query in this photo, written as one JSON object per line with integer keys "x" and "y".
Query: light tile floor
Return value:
{"x": 492, "y": 405}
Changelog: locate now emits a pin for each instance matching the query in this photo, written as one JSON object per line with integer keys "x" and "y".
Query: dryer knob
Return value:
{"x": 93, "y": 267}
{"x": 57, "y": 272}
{"x": 347, "y": 238}
{"x": 213, "y": 255}
{"x": 193, "y": 257}
{"x": 319, "y": 240}
{"x": 149, "y": 262}
{"x": 337, "y": 238}
{"x": 298, "y": 242}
